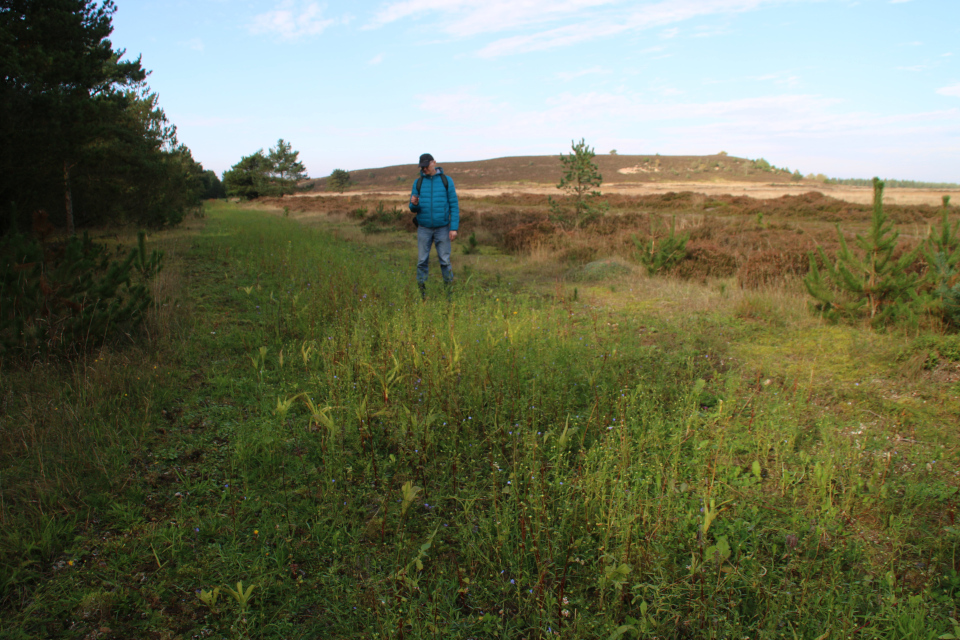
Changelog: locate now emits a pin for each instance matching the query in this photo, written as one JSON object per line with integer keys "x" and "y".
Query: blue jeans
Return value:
{"x": 426, "y": 238}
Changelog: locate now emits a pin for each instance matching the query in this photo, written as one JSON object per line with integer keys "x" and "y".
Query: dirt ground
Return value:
{"x": 858, "y": 195}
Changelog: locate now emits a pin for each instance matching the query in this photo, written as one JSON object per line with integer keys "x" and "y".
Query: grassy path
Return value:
{"x": 501, "y": 466}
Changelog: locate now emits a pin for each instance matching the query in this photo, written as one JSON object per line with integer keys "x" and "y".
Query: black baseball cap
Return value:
{"x": 425, "y": 160}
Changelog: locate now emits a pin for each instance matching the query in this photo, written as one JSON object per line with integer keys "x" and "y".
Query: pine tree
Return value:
{"x": 339, "y": 180}
{"x": 666, "y": 254}
{"x": 868, "y": 283}
{"x": 581, "y": 179}
{"x": 248, "y": 178}
{"x": 62, "y": 90}
{"x": 942, "y": 252}
{"x": 286, "y": 166}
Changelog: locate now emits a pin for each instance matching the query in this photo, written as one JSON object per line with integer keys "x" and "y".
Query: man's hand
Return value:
{"x": 414, "y": 199}
{"x": 453, "y": 236}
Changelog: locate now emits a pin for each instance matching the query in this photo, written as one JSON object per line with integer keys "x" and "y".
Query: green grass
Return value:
{"x": 505, "y": 465}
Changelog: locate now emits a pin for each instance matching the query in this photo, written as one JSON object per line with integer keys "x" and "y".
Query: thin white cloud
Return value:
{"x": 711, "y": 31}
{"x": 781, "y": 78}
{"x": 660, "y": 14}
{"x": 567, "y": 76}
{"x": 898, "y": 1}
{"x": 916, "y": 67}
{"x": 292, "y": 20}
{"x": 377, "y": 59}
{"x": 615, "y": 109}
{"x": 556, "y": 23}
{"x": 752, "y": 121}
{"x": 468, "y": 17}
{"x": 195, "y": 44}
{"x": 953, "y": 90}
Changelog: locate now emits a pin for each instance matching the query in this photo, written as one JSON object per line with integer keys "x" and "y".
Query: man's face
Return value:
{"x": 431, "y": 168}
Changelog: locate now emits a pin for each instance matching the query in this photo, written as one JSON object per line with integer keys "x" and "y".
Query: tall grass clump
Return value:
{"x": 84, "y": 341}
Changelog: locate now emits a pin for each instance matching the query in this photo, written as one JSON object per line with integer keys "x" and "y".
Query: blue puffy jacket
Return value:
{"x": 438, "y": 204}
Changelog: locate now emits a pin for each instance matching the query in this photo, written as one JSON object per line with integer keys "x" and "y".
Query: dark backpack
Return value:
{"x": 446, "y": 187}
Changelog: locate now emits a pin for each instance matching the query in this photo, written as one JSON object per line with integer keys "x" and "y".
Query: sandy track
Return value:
{"x": 860, "y": 195}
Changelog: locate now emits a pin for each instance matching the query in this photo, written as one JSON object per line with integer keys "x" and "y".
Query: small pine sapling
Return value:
{"x": 662, "y": 255}
{"x": 581, "y": 179}
{"x": 870, "y": 282}
{"x": 472, "y": 246}
{"x": 942, "y": 253}
{"x": 72, "y": 297}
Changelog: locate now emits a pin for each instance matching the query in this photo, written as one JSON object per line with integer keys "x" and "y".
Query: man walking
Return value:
{"x": 434, "y": 200}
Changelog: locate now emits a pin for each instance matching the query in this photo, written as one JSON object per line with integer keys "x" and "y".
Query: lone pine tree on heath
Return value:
{"x": 871, "y": 282}
{"x": 581, "y": 179}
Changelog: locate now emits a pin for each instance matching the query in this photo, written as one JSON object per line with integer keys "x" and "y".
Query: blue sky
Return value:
{"x": 849, "y": 88}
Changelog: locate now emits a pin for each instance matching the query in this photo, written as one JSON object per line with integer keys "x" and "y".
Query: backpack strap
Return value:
{"x": 443, "y": 179}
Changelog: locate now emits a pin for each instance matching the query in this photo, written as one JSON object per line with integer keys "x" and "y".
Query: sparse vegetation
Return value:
{"x": 637, "y": 456}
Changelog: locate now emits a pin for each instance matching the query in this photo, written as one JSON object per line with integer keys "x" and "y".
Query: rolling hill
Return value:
{"x": 545, "y": 170}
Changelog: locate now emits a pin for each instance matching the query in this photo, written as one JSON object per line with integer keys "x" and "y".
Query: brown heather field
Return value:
{"x": 625, "y": 175}
{"x": 755, "y": 240}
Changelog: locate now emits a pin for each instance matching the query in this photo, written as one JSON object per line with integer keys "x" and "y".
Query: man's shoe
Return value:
{"x": 422, "y": 286}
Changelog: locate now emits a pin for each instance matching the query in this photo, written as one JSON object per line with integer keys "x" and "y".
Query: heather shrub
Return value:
{"x": 525, "y": 235}
{"x": 706, "y": 259}
{"x": 769, "y": 267}
{"x": 578, "y": 254}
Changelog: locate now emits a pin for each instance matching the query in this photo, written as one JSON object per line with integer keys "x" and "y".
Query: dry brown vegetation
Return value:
{"x": 760, "y": 241}
{"x": 646, "y": 175}
{"x": 617, "y": 169}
